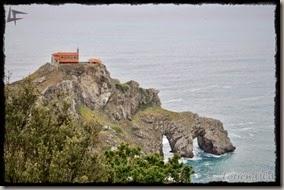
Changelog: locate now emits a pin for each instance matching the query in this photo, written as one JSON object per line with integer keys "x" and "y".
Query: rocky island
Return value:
{"x": 127, "y": 112}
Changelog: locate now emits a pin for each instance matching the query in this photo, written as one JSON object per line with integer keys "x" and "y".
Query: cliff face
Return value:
{"x": 127, "y": 112}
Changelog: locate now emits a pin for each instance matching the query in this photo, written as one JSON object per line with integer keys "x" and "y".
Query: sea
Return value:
{"x": 212, "y": 59}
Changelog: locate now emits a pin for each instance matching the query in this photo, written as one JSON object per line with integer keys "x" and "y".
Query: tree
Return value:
{"x": 129, "y": 164}
{"x": 43, "y": 143}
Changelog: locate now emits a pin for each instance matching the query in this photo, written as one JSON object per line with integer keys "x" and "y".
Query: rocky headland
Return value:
{"x": 127, "y": 112}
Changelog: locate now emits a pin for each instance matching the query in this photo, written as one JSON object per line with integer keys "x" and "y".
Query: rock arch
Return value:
{"x": 181, "y": 131}
{"x": 180, "y": 140}
{"x": 210, "y": 134}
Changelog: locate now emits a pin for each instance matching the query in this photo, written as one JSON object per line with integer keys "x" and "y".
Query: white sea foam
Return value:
{"x": 166, "y": 149}
{"x": 252, "y": 98}
{"x": 235, "y": 135}
{"x": 213, "y": 155}
{"x": 203, "y": 88}
{"x": 196, "y": 175}
{"x": 174, "y": 100}
{"x": 251, "y": 134}
{"x": 226, "y": 86}
{"x": 193, "y": 158}
{"x": 219, "y": 177}
{"x": 245, "y": 129}
{"x": 165, "y": 140}
{"x": 245, "y": 123}
{"x": 206, "y": 163}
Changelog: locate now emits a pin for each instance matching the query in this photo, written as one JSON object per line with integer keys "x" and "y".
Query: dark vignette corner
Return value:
{"x": 277, "y": 100}
{"x": 2, "y": 98}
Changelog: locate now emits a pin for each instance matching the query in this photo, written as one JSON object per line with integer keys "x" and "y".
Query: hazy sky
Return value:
{"x": 113, "y": 30}
{"x": 116, "y": 11}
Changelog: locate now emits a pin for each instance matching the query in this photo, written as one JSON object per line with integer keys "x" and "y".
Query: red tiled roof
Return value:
{"x": 65, "y": 53}
{"x": 68, "y": 61}
{"x": 94, "y": 59}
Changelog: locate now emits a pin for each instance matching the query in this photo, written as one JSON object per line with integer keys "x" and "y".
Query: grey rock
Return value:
{"x": 90, "y": 85}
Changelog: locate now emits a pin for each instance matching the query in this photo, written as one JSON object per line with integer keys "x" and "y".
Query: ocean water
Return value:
{"x": 215, "y": 60}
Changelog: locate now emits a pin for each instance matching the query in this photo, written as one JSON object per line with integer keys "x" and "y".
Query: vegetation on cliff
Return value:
{"x": 45, "y": 143}
{"x": 71, "y": 123}
{"x": 131, "y": 165}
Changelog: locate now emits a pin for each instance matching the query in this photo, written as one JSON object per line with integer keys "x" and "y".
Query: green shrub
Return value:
{"x": 130, "y": 165}
{"x": 116, "y": 128}
{"x": 122, "y": 87}
{"x": 44, "y": 144}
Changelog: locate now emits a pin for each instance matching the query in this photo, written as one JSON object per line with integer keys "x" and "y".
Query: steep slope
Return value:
{"x": 127, "y": 112}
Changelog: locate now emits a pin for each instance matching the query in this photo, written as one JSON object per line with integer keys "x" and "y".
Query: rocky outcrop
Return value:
{"x": 128, "y": 112}
{"x": 180, "y": 130}
{"x": 128, "y": 98}
{"x": 92, "y": 86}
{"x": 214, "y": 139}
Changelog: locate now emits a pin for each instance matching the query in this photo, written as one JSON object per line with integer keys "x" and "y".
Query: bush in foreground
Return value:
{"x": 128, "y": 164}
{"x": 45, "y": 144}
